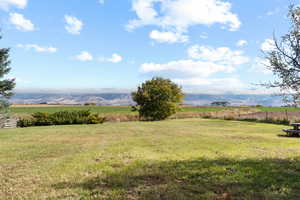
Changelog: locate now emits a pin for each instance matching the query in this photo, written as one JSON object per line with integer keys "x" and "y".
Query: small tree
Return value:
{"x": 220, "y": 103}
{"x": 157, "y": 99}
{"x": 284, "y": 60}
{"x": 6, "y": 85}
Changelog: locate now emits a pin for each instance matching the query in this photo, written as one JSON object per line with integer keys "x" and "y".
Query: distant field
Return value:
{"x": 278, "y": 109}
{"x": 188, "y": 159}
{"x": 52, "y": 109}
{"x": 27, "y": 109}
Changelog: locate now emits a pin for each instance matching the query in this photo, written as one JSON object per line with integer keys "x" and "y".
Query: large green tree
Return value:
{"x": 6, "y": 84}
{"x": 157, "y": 99}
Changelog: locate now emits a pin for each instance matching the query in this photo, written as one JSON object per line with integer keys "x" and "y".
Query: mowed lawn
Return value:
{"x": 186, "y": 159}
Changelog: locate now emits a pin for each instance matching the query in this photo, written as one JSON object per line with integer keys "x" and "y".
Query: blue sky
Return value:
{"x": 206, "y": 46}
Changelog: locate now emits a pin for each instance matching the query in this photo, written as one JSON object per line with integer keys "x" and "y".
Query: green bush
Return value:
{"x": 23, "y": 123}
{"x": 90, "y": 104}
{"x": 70, "y": 117}
{"x": 42, "y": 119}
{"x": 61, "y": 118}
{"x": 95, "y": 119}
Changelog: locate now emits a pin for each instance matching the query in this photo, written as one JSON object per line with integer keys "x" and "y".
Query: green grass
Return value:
{"x": 278, "y": 109}
{"x": 100, "y": 109}
{"x": 186, "y": 159}
{"x": 127, "y": 109}
{"x": 94, "y": 109}
{"x": 202, "y": 109}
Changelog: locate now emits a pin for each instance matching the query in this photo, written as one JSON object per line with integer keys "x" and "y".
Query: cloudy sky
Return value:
{"x": 204, "y": 45}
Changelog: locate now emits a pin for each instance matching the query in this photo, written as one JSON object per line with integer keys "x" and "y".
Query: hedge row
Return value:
{"x": 61, "y": 118}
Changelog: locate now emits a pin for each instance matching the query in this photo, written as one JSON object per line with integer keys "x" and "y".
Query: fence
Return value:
{"x": 3, "y": 119}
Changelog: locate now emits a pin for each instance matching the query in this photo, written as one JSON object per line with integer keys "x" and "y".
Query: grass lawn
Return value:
{"x": 186, "y": 159}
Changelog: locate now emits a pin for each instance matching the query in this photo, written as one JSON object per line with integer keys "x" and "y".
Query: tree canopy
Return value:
{"x": 6, "y": 84}
{"x": 157, "y": 99}
{"x": 284, "y": 59}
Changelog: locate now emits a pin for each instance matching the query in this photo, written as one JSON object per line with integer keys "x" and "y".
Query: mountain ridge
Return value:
{"x": 119, "y": 99}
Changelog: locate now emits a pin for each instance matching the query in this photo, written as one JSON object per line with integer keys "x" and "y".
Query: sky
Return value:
{"x": 206, "y": 46}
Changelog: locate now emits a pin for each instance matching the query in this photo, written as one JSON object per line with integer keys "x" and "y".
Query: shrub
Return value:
{"x": 61, "y": 118}
{"x": 42, "y": 119}
{"x": 70, "y": 117}
{"x": 27, "y": 122}
{"x": 90, "y": 104}
{"x": 95, "y": 119}
{"x": 157, "y": 99}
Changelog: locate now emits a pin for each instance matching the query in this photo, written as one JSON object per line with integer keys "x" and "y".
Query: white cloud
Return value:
{"x": 168, "y": 37}
{"x": 101, "y": 1}
{"x": 220, "y": 86}
{"x": 115, "y": 58}
{"x": 260, "y": 66}
{"x": 84, "y": 56}
{"x": 178, "y": 15}
{"x": 38, "y": 48}
{"x": 183, "y": 67}
{"x": 268, "y": 45}
{"x": 21, "y": 22}
{"x": 223, "y": 56}
{"x": 215, "y": 84}
{"x": 241, "y": 43}
{"x": 204, "y": 62}
{"x": 181, "y": 14}
{"x": 7, "y": 4}
{"x": 74, "y": 25}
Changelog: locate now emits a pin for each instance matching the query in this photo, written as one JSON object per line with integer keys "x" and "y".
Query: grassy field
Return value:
{"x": 52, "y": 109}
{"x": 98, "y": 109}
{"x": 127, "y": 109}
{"x": 278, "y": 109}
{"x": 186, "y": 159}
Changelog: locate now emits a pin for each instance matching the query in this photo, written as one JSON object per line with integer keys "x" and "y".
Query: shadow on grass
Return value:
{"x": 288, "y": 136}
{"x": 197, "y": 179}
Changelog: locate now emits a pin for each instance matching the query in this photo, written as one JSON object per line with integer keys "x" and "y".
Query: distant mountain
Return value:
{"x": 69, "y": 99}
{"x": 125, "y": 99}
{"x": 234, "y": 99}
